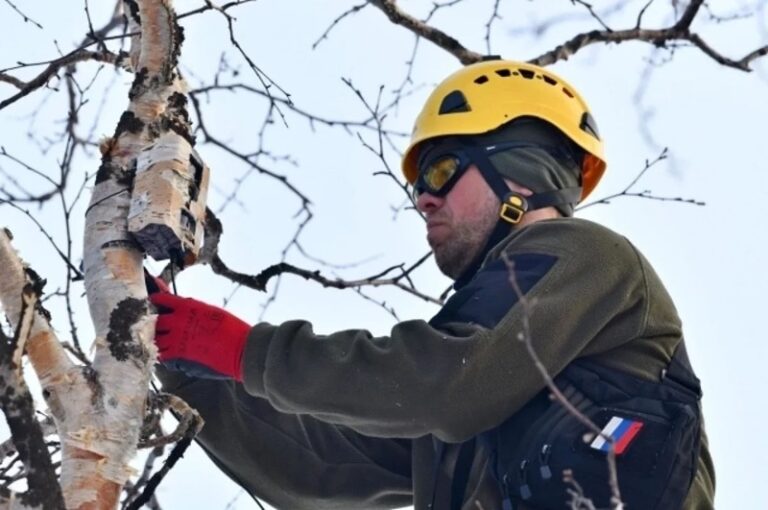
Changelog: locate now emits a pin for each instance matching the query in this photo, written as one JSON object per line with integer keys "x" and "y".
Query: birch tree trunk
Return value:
{"x": 53, "y": 367}
{"x": 114, "y": 279}
{"x": 99, "y": 409}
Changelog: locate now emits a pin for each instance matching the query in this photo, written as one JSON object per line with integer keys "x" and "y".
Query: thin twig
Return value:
{"x": 353, "y": 10}
{"x": 440, "y": 38}
{"x": 489, "y": 25}
{"x": 26, "y": 18}
{"x": 646, "y": 194}
{"x": 679, "y": 31}
{"x": 592, "y": 13}
{"x": 526, "y": 337}
{"x": 53, "y": 67}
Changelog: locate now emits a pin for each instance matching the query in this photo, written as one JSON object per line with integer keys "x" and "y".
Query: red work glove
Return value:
{"x": 198, "y": 339}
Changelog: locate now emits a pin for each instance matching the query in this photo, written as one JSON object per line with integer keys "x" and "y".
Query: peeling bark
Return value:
{"x": 99, "y": 409}
{"x": 16, "y": 402}
{"x": 168, "y": 202}
{"x": 114, "y": 281}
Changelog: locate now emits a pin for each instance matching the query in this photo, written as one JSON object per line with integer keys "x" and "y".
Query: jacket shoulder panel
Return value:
{"x": 494, "y": 290}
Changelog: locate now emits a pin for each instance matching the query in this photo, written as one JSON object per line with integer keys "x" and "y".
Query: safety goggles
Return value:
{"x": 439, "y": 172}
{"x": 441, "y": 168}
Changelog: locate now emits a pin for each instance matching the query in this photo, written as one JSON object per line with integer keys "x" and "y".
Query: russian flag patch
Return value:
{"x": 621, "y": 430}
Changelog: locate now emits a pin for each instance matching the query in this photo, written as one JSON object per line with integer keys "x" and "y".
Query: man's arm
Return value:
{"x": 588, "y": 293}
{"x": 587, "y": 289}
{"x": 293, "y": 461}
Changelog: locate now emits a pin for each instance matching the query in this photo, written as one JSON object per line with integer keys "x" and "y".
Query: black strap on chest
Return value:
{"x": 461, "y": 473}
{"x": 461, "y": 470}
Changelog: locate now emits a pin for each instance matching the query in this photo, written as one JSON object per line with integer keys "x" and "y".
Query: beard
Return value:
{"x": 467, "y": 237}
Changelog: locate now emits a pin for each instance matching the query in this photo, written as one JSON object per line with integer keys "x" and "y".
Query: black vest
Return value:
{"x": 544, "y": 451}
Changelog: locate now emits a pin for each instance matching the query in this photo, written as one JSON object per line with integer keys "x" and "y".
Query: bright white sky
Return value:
{"x": 710, "y": 117}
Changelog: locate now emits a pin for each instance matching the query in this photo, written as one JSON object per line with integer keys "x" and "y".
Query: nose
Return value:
{"x": 427, "y": 202}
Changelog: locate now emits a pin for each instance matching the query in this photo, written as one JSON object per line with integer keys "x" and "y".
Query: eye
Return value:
{"x": 441, "y": 171}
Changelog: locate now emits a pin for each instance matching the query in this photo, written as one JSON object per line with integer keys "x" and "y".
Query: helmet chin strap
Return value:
{"x": 513, "y": 208}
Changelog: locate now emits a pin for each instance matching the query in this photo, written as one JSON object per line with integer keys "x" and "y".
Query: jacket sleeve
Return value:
{"x": 294, "y": 461}
{"x": 585, "y": 292}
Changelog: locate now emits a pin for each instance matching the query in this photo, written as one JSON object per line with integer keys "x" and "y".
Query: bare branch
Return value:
{"x": 245, "y": 158}
{"x": 538, "y": 28}
{"x": 379, "y": 152}
{"x": 19, "y": 292}
{"x": 263, "y": 78}
{"x": 679, "y": 31}
{"x": 626, "y": 192}
{"x": 53, "y": 68}
{"x": 29, "y": 196}
{"x": 26, "y": 18}
{"x": 353, "y": 10}
{"x": 66, "y": 258}
{"x": 382, "y": 304}
{"x": 209, "y": 255}
{"x": 82, "y": 54}
{"x": 209, "y": 6}
{"x": 489, "y": 25}
{"x": 331, "y": 265}
{"x": 440, "y": 38}
{"x": 189, "y": 426}
{"x": 642, "y": 13}
{"x": 593, "y": 13}
{"x": 526, "y": 337}
{"x": 684, "y": 23}
{"x": 312, "y": 118}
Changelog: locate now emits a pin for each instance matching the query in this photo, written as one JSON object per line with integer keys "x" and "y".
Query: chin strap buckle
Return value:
{"x": 513, "y": 208}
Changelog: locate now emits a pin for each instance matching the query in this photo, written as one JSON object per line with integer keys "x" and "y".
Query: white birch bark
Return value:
{"x": 124, "y": 348}
{"x": 98, "y": 410}
{"x": 55, "y": 371}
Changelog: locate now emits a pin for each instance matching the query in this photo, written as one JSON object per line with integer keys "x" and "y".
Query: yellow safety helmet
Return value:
{"x": 483, "y": 96}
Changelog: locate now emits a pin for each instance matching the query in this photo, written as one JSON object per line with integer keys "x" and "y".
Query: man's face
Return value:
{"x": 459, "y": 223}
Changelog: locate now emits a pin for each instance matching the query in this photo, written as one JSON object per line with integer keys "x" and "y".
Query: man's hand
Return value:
{"x": 198, "y": 339}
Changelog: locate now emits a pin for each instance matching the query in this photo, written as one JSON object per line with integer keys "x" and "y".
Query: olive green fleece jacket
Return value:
{"x": 349, "y": 420}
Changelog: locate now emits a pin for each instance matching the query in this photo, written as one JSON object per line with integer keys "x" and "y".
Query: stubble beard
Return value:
{"x": 454, "y": 255}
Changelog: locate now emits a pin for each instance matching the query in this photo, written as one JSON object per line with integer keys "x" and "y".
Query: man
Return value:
{"x": 454, "y": 413}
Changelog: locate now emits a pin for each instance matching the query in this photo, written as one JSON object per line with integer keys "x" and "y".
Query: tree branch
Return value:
{"x": 19, "y": 409}
{"x": 26, "y": 18}
{"x": 53, "y": 68}
{"x": 626, "y": 192}
{"x": 679, "y": 31}
{"x": 440, "y": 38}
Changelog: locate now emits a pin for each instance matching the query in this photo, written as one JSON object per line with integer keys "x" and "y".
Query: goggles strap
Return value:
{"x": 502, "y": 228}
{"x": 494, "y": 179}
{"x": 554, "y": 197}
{"x": 513, "y": 205}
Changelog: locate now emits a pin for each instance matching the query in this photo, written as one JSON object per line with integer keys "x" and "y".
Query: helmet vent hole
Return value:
{"x": 589, "y": 125}
{"x": 527, "y": 74}
{"x": 567, "y": 92}
{"x": 549, "y": 80}
{"x": 455, "y": 102}
{"x": 504, "y": 73}
{"x": 481, "y": 79}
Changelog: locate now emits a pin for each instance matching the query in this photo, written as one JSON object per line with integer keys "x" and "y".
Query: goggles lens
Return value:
{"x": 438, "y": 176}
{"x": 440, "y": 172}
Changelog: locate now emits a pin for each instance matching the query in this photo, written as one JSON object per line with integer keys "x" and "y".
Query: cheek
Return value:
{"x": 472, "y": 202}
{"x": 481, "y": 211}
